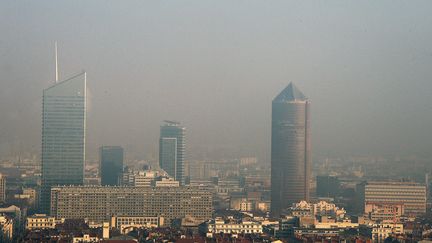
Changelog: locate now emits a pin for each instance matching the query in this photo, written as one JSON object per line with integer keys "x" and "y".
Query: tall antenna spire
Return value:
{"x": 56, "y": 64}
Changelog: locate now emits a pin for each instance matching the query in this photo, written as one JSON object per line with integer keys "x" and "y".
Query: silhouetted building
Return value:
{"x": 172, "y": 150}
{"x": 63, "y": 135}
{"x": 327, "y": 186}
{"x": 290, "y": 149}
{"x": 111, "y": 164}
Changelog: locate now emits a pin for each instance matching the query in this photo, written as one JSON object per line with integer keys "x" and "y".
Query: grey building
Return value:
{"x": 290, "y": 149}
{"x": 327, "y": 186}
{"x": 111, "y": 164}
{"x": 172, "y": 150}
{"x": 63, "y": 135}
{"x": 100, "y": 203}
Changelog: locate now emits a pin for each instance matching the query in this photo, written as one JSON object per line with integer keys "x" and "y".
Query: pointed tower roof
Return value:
{"x": 290, "y": 93}
{"x": 74, "y": 86}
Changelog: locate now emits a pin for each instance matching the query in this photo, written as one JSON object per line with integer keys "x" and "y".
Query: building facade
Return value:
{"x": 172, "y": 150}
{"x": 124, "y": 222}
{"x": 2, "y": 188}
{"x": 100, "y": 203}
{"x": 63, "y": 135}
{"x": 111, "y": 164}
{"x": 290, "y": 149}
{"x": 409, "y": 194}
{"x": 42, "y": 221}
{"x": 231, "y": 226}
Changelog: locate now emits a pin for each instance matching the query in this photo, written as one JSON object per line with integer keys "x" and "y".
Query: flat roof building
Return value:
{"x": 409, "y": 194}
{"x": 111, "y": 164}
{"x": 100, "y": 203}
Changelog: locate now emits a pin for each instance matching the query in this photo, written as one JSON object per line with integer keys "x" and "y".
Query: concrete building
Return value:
{"x": 63, "y": 135}
{"x": 290, "y": 149}
{"x": 384, "y": 212}
{"x": 42, "y": 221}
{"x": 167, "y": 182}
{"x": 336, "y": 225}
{"x": 138, "y": 178}
{"x": 381, "y": 231}
{"x": 231, "y": 226}
{"x": 127, "y": 222}
{"x": 100, "y": 203}
{"x": 172, "y": 150}
{"x": 2, "y": 188}
{"x": 111, "y": 164}
{"x": 410, "y": 194}
{"x": 321, "y": 208}
{"x": 86, "y": 238}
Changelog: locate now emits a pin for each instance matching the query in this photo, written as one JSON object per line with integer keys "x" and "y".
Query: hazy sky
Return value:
{"x": 216, "y": 65}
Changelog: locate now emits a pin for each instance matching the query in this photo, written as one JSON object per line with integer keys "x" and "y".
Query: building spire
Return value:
{"x": 290, "y": 93}
{"x": 56, "y": 64}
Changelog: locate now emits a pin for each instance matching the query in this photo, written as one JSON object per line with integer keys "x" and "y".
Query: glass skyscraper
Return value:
{"x": 290, "y": 149}
{"x": 111, "y": 164}
{"x": 172, "y": 150}
{"x": 63, "y": 135}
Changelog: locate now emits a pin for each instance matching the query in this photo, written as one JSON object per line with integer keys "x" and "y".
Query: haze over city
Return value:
{"x": 215, "y": 121}
{"x": 216, "y": 66}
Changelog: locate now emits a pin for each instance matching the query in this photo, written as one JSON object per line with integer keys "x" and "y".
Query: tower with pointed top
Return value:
{"x": 63, "y": 135}
{"x": 290, "y": 149}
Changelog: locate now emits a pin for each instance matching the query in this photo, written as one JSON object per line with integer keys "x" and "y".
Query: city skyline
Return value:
{"x": 226, "y": 121}
{"x": 358, "y": 76}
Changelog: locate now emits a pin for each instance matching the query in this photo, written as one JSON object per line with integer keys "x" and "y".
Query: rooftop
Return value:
{"x": 290, "y": 93}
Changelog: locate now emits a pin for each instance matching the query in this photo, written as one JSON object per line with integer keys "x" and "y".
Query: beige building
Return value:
{"x": 384, "y": 212}
{"x": 336, "y": 225}
{"x": 85, "y": 238}
{"x": 321, "y": 208}
{"x": 381, "y": 231}
{"x": 410, "y": 194}
{"x": 123, "y": 223}
{"x": 167, "y": 182}
{"x": 100, "y": 203}
{"x": 220, "y": 225}
{"x": 42, "y": 221}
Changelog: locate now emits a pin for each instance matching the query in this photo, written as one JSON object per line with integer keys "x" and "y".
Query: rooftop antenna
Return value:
{"x": 56, "y": 64}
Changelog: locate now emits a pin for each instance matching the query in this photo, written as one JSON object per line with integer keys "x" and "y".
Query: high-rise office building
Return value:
{"x": 172, "y": 150}
{"x": 111, "y": 164}
{"x": 290, "y": 149}
{"x": 63, "y": 135}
